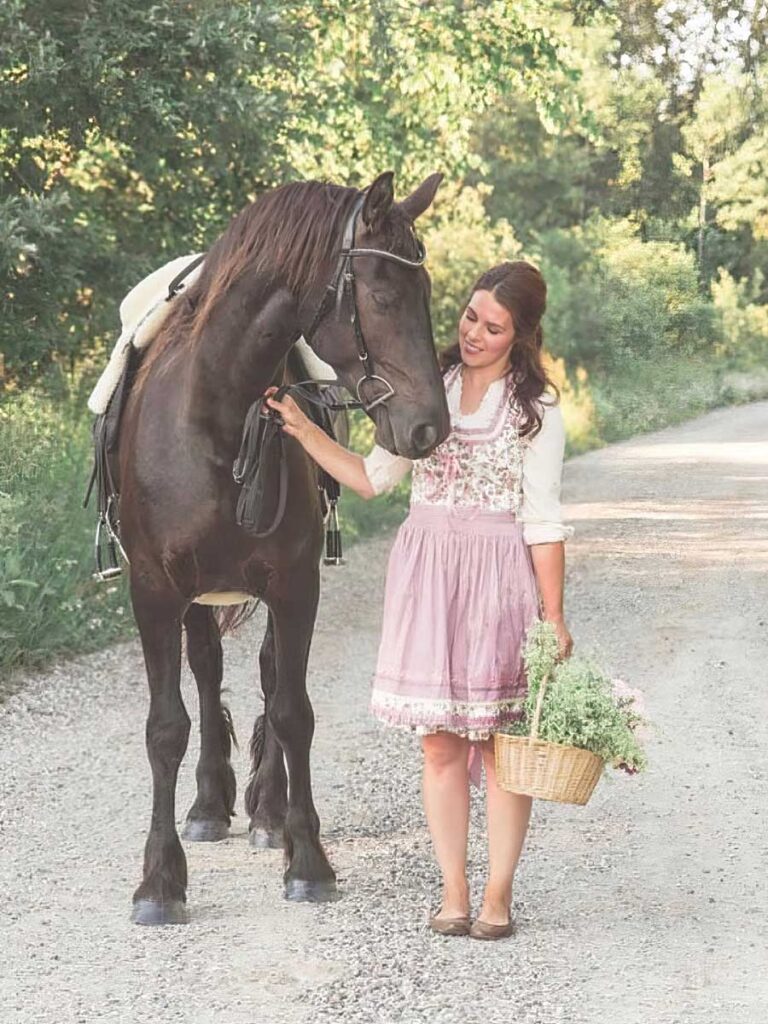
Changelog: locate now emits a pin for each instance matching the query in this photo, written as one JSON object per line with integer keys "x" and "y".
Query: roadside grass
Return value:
{"x": 647, "y": 396}
{"x": 51, "y": 607}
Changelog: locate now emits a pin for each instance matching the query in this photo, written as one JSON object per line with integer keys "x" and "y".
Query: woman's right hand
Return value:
{"x": 295, "y": 422}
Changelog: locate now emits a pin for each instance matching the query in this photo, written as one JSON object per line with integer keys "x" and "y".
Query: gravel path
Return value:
{"x": 648, "y": 906}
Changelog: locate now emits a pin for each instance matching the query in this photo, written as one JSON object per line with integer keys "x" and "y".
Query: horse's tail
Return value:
{"x": 256, "y": 745}
{"x": 256, "y": 752}
{"x": 228, "y": 727}
{"x": 230, "y": 617}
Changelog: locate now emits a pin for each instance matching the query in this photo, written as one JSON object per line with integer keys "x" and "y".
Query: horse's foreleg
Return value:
{"x": 266, "y": 797}
{"x": 161, "y": 897}
{"x": 209, "y": 816}
{"x": 308, "y": 875}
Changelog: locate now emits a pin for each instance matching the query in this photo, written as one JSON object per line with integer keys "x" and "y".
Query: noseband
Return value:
{"x": 343, "y": 283}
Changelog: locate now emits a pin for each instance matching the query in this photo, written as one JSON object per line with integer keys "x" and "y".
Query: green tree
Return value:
{"x": 719, "y": 115}
{"x": 404, "y": 85}
{"x": 134, "y": 132}
{"x": 130, "y": 132}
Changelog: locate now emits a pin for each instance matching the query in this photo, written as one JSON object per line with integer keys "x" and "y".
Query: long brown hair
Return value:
{"x": 520, "y": 288}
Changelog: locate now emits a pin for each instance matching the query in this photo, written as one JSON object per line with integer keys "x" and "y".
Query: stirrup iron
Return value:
{"x": 107, "y": 546}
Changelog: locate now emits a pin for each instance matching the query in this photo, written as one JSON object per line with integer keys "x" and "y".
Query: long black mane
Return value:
{"x": 292, "y": 232}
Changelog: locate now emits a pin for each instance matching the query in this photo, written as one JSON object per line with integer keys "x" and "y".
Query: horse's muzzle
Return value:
{"x": 423, "y": 439}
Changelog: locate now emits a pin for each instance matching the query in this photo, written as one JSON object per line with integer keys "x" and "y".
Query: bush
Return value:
{"x": 743, "y": 323}
{"x": 461, "y": 244}
{"x": 614, "y": 299}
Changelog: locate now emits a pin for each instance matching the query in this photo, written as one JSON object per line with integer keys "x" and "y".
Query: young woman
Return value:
{"x": 479, "y": 558}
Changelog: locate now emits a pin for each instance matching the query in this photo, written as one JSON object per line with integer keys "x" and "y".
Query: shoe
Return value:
{"x": 449, "y": 925}
{"x": 483, "y": 930}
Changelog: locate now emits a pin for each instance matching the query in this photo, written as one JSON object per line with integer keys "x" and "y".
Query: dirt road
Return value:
{"x": 648, "y": 906}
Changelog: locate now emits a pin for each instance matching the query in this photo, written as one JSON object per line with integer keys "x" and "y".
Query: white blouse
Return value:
{"x": 484, "y": 463}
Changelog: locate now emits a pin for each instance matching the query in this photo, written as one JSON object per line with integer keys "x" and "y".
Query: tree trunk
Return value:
{"x": 703, "y": 210}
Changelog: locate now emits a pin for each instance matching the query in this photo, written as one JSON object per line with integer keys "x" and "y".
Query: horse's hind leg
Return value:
{"x": 209, "y": 816}
{"x": 161, "y": 897}
{"x": 266, "y": 797}
{"x": 308, "y": 876}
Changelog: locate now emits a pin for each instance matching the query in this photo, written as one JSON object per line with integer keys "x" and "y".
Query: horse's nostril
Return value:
{"x": 423, "y": 437}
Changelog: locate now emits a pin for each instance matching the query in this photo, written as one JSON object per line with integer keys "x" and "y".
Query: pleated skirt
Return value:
{"x": 460, "y": 595}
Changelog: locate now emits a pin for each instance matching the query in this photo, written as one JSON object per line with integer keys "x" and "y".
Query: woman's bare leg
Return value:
{"x": 446, "y": 804}
{"x": 508, "y": 817}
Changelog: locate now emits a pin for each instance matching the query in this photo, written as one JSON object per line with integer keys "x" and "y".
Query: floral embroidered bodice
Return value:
{"x": 480, "y": 464}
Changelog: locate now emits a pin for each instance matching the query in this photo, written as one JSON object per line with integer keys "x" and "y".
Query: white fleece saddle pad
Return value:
{"x": 143, "y": 312}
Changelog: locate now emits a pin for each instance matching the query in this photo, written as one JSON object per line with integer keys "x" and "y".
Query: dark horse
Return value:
{"x": 224, "y": 343}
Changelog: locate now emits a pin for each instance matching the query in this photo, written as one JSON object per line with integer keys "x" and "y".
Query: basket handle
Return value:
{"x": 537, "y": 713}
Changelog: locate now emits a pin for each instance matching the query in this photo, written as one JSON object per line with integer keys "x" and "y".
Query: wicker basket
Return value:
{"x": 548, "y": 771}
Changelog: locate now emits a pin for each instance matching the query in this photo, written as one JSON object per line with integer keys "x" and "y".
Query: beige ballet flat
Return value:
{"x": 449, "y": 925}
{"x": 483, "y": 930}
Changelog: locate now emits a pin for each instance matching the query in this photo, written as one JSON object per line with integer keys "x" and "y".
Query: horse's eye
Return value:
{"x": 382, "y": 300}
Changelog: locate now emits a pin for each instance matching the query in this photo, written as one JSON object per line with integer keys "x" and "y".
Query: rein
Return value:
{"x": 263, "y": 436}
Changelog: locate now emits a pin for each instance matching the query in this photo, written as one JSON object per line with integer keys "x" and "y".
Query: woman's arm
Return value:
{"x": 367, "y": 476}
{"x": 541, "y": 515}
{"x": 549, "y": 569}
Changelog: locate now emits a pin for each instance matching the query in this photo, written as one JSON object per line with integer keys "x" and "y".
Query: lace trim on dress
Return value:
{"x": 474, "y": 720}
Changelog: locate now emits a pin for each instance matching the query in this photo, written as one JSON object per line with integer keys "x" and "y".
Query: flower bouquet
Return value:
{"x": 575, "y": 721}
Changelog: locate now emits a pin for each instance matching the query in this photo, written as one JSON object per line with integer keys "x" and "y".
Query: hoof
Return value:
{"x": 154, "y": 912}
{"x": 265, "y": 839}
{"x": 204, "y": 830}
{"x": 300, "y": 891}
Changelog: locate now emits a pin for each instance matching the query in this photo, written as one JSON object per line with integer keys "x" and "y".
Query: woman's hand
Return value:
{"x": 549, "y": 567}
{"x": 564, "y": 638}
{"x": 295, "y": 422}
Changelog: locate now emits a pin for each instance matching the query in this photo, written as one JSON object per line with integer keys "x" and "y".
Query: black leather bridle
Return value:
{"x": 262, "y": 432}
{"x": 343, "y": 284}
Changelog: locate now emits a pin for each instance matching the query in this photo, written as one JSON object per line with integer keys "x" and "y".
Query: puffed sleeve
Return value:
{"x": 542, "y": 472}
{"x": 385, "y": 470}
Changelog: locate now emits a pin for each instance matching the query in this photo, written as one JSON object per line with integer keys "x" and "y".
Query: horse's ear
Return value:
{"x": 420, "y": 200}
{"x": 378, "y": 200}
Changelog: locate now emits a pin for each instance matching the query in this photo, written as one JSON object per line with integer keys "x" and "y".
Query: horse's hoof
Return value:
{"x": 299, "y": 890}
{"x": 155, "y": 912}
{"x": 205, "y": 830}
{"x": 265, "y": 839}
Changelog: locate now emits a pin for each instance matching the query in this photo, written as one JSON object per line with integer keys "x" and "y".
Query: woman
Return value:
{"x": 479, "y": 558}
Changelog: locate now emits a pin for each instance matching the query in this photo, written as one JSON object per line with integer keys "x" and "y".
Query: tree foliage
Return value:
{"x": 134, "y": 132}
{"x": 624, "y": 145}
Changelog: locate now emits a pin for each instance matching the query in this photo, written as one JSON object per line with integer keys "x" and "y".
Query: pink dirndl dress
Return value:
{"x": 460, "y": 590}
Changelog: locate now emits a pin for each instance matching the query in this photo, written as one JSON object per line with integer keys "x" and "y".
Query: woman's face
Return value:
{"x": 486, "y": 332}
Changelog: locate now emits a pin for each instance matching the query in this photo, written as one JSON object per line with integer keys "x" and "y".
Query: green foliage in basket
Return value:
{"x": 582, "y": 706}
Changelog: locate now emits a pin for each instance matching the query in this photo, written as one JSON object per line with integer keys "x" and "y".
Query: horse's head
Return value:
{"x": 381, "y": 307}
